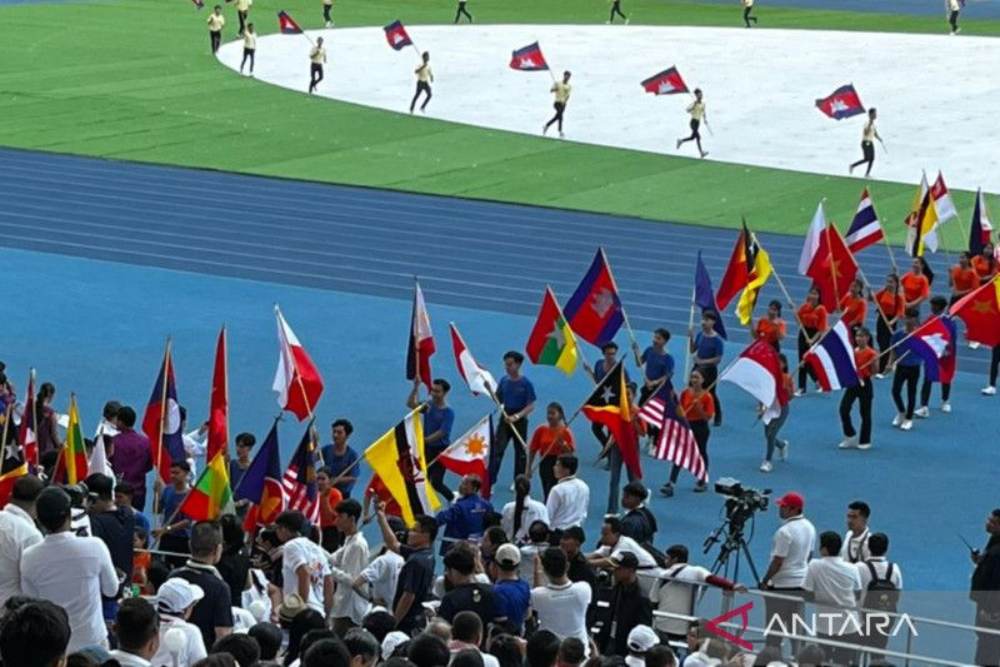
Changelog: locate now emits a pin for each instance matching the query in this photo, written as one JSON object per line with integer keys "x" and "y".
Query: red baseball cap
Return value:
{"x": 793, "y": 500}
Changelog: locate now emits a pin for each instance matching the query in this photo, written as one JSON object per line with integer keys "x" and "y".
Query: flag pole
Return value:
{"x": 562, "y": 316}
{"x": 165, "y": 368}
{"x": 32, "y": 465}
{"x": 225, "y": 384}
{"x": 628, "y": 325}
{"x": 8, "y": 413}
{"x": 687, "y": 355}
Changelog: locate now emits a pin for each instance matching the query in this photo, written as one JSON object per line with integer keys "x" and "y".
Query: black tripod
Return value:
{"x": 730, "y": 533}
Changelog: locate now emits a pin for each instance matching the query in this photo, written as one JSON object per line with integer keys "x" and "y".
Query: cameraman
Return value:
{"x": 790, "y": 553}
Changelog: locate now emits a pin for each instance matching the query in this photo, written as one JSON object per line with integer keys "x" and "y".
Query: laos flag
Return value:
{"x": 528, "y": 59}
{"x": 162, "y": 420}
{"x": 396, "y": 35}
{"x": 842, "y": 103}
{"x": 667, "y": 82}
{"x": 287, "y": 24}
{"x": 594, "y": 311}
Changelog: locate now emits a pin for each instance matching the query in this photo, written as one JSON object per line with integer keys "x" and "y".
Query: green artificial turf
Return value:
{"x": 134, "y": 80}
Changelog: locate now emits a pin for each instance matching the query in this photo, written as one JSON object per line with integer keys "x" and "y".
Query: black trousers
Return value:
{"x": 462, "y": 11}
{"x": 503, "y": 437}
{"x": 994, "y": 365}
{"x": 785, "y": 610}
{"x": 315, "y": 75}
{"x": 953, "y": 20}
{"x": 925, "y": 392}
{"x": 883, "y": 336}
{"x": 746, "y": 16}
{"x": 701, "y": 432}
{"x": 710, "y": 374}
{"x": 616, "y": 8}
{"x": 908, "y": 375}
{"x": 326, "y": 13}
{"x": 422, "y": 86}
{"x": 215, "y": 37}
{"x": 863, "y": 394}
{"x": 547, "y": 473}
{"x": 242, "y": 16}
{"x": 560, "y": 107}
{"x": 248, "y": 54}
{"x": 436, "y": 471}
{"x": 805, "y": 369}
{"x": 987, "y": 646}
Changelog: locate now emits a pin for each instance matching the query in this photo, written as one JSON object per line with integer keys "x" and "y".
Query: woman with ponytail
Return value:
{"x": 518, "y": 515}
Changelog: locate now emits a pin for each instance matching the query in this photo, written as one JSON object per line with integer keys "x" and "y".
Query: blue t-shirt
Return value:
{"x": 170, "y": 500}
{"x": 904, "y": 356}
{"x": 601, "y": 370}
{"x": 338, "y": 464}
{"x": 438, "y": 419}
{"x": 515, "y": 394}
{"x": 512, "y": 598}
{"x": 708, "y": 347}
{"x": 464, "y": 519}
{"x": 657, "y": 365}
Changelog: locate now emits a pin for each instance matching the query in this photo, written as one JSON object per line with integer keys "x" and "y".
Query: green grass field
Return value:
{"x": 134, "y": 80}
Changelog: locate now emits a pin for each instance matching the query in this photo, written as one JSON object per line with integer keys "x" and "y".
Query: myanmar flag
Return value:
{"x": 552, "y": 342}
{"x": 211, "y": 497}
{"x": 71, "y": 467}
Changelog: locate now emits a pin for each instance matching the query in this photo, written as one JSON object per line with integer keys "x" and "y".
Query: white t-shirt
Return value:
{"x": 562, "y": 609}
{"x": 881, "y": 565}
{"x": 296, "y": 553}
{"x": 855, "y": 547}
{"x": 17, "y": 533}
{"x": 382, "y": 574}
{"x": 676, "y": 596}
{"x": 567, "y": 503}
{"x": 193, "y": 651}
{"x": 533, "y": 511}
{"x": 835, "y": 584}
{"x": 346, "y": 563}
{"x": 794, "y": 543}
{"x": 526, "y": 570}
{"x": 648, "y": 570}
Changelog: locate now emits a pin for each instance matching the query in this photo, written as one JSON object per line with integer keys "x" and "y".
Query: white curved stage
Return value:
{"x": 937, "y": 95}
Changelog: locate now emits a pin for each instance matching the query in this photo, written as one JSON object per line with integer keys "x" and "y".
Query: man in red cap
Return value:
{"x": 791, "y": 550}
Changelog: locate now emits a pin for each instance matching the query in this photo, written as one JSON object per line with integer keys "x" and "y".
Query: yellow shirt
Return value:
{"x": 216, "y": 22}
{"x": 869, "y": 132}
{"x": 748, "y": 3}
{"x": 249, "y": 40}
{"x": 561, "y": 91}
{"x": 424, "y": 73}
{"x": 697, "y": 110}
{"x": 318, "y": 55}
{"x": 328, "y": 3}
{"x": 953, "y": 5}
{"x": 243, "y": 5}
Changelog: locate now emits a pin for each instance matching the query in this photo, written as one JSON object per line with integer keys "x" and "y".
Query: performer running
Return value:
{"x": 462, "y": 11}
{"x": 216, "y": 22}
{"x": 616, "y": 8}
{"x": 865, "y": 359}
{"x": 561, "y": 90}
{"x": 697, "y": 111}
{"x": 954, "y": 7}
{"x": 868, "y": 136}
{"x": 425, "y": 77}
{"x": 773, "y": 427}
{"x": 242, "y": 13}
{"x": 891, "y": 304}
{"x": 698, "y": 407}
{"x": 249, "y": 47}
{"x": 317, "y": 58}
{"x": 813, "y": 318}
{"x": 327, "y": 16}
{"x": 747, "y": 8}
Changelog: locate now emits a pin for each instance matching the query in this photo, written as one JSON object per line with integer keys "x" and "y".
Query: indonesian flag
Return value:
{"x": 470, "y": 454}
{"x": 397, "y": 36}
{"x": 27, "y": 433}
{"x": 218, "y": 409}
{"x": 667, "y": 82}
{"x": 421, "y": 345}
{"x": 757, "y": 371}
{"x": 841, "y": 103}
{"x": 296, "y": 381}
{"x": 287, "y": 24}
{"x": 479, "y": 380}
{"x": 528, "y": 59}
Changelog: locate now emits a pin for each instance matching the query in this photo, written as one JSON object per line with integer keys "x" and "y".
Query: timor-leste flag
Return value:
{"x": 552, "y": 342}
{"x": 595, "y": 310}
{"x": 609, "y": 406}
{"x": 980, "y": 310}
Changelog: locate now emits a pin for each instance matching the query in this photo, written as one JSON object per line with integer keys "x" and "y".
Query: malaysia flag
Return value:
{"x": 529, "y": 59}
{"x": 842, "y": 103}
{"x": 594, "y": 311}
{"x": 832, "y": 359}
{"x": 865, "y": 229}
{"x": 667, "y": 82}
{"x": 396, "y": 35}
{"x": 287, "y": 24}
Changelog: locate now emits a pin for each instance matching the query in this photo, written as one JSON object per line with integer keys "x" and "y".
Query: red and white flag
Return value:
{"x": 757, "y": 371}
{"x": 479, "y": 379}
{"x": 296, "y": 381}
{"x": 421, "y": 345}
{"x": 942, "y": 200}
{"x": 470, "y": 454}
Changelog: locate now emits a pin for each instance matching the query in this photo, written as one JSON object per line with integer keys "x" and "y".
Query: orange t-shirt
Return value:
{"x": 865, "y": 359}
{"x": 771, "y": 330}
{"x": 141, "y": 560}
{"x": 813, "y": 317}
{"x": 328, "y": 507}
{"x": 890, "y": 303}
{"x": 855, "y": 310}
{"x": 697, "y": 407}
{"x": 964, "y": 280}
{"x": 981, "y": 265}
{"x": 543, "y": 440}
{"x": 915, "y": 286}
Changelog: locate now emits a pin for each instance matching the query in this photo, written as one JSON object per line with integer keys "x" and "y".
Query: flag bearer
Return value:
{"x": 425, "y": 77}
{"x": 865, "y": 359}
{"x": 561, "y": 90}
{"x": 317, "y": 58}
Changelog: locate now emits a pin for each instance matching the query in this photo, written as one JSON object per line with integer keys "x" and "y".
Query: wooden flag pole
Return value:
{"x": 885, "y": 237}
{"x": 688, "y": 350}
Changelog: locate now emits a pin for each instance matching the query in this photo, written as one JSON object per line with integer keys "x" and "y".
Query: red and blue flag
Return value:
{"x": 594, "y": 311}
{"x": 261, "y": 483}
{"x": 930, "y": 342}
{"x": 832, "y": 360}
{"x": 528, "y": 59}
{"x": 865, "y": 228}
{"x": 842, "y": 103}
{"x": 162, "y": 420}
{"x": 704, "y": 295}
{"x": 396, "y": 35}
{"x": 287, "y": 24}
{"x": 980, "y": 229}
{"x": 667, "y": 82}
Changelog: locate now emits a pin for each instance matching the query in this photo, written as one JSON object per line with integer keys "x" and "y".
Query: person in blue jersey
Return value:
{"x": 340, "y": 458}
{"x": 657, "y": 368}
{"x": 517, "y": 395}
{"x": 707, "y": 347}
{"x": 438, "y": 420}
{"x": 466, "y": 517}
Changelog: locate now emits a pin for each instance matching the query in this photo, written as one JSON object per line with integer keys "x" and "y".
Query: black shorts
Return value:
{"x": 868, "y": 150}
{"x": 423, "y": 85}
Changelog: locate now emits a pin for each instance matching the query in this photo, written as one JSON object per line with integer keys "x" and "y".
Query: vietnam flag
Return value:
{"x": 667, "y": 82}
{"x": 287, "y": 24}
{"x": 211, "y": 496}
{"x": 552, "y": 342}
{"x": 218, "y": 409}
{"x": 594, "y": 311}
{"x": 71, "y": 467}
{"x": 980, "y": 310}
{"x": 296, "y": 381}
{"x": 609, "y": 406}
{"x": 528, "y": 59}
{"x": 162, "y": 421}
{"x": 421, "y": 345}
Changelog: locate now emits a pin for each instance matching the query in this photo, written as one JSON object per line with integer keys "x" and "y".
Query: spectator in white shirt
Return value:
{"x": 467, "y": 633}
{"x": 833, "y": 585}
{"x": 855, "y": 548}
{"x": 378, "y": 580}
{"x": 569, "y": 498}
{"x": 786, "y": 573}
{"x": 70, "y": 571}
{"x": 36, "y": 633}
{"x": 137, "y": 629}
{"x": 17, "y": 533}
{"x": 347, "y": 563}
{"x": 561, "y": 605}
{"x": 174, "y": 601}
{"x": 613, "y": 543}
{"x": 305, "y": 567}
{"x": 538, "y": 536}
{"x": 881, "y": 582}
{"x": 518, "y": 515}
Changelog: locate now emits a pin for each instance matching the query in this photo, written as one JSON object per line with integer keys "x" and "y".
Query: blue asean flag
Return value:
{"x": 261, "y": 483}
{"x": 704, "y": 295}
{"x": 842, "y": 103}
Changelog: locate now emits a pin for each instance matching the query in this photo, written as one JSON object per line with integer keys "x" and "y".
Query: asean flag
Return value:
{"x": 594, "y": 311}
{"x": 287, "y": 24}
{"x": 396, "y": 35}
{"x": 842, "y": 103}
{"x": 667, "y": 82}
{"x": 528, "y": 59}
{"x": 296, "y": 381}
{"x": 261, "y": 484}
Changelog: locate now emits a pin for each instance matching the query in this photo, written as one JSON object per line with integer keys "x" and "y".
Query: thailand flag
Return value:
{"x": 929, "y": 342}
{"x": 832, "y": 359}
{"x": 528, "y": 59}
{"x": 296, "y": 381}
{"x": 667, "y": 82}
{"x": 287, "y": 24}
{"x": 842, "y": 103}
{"x": 396, "y": 35}
{"x": 865, "y": 229}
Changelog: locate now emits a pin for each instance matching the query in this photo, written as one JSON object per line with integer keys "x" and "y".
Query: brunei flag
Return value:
{"x": 211, "y": 496}
{"x": 397, "y": 458}
{"x": 71, "y": 467}
{"x": 920, "y": 236}
{"x": 552, "y": 342}
{"x": 609, "y": 406}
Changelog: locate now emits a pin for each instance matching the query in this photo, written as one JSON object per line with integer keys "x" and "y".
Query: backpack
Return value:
{"x": 882, "y": 594}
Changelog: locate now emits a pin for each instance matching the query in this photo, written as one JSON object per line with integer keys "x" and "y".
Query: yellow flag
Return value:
{"x": 748, "y": 299}
{"x": 398, "y": 459}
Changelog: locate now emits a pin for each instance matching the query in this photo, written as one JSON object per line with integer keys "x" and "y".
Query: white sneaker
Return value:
{"x": 562, "y": 136}
{"x": 864, "y": 445}
{"x": 973, "y": 344}
{"x": 329, "y": 24}
{"x": 626, "y": 21}
{"x": 800, "y": 392}
{"x": 898, "y": 419}
{"x": 906, "y": 425}
{"x": 766, "y": 466}
{"x": 946, "y": 407}
{"x": 783, "y": 450}
{"x": 923, "y": 412}
{"x": 879, "y": 376}
{"x": 989, "y": 391}
{"x": 849, "y": 443}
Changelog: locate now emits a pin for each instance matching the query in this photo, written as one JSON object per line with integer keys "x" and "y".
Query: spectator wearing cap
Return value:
{"x": 629, "y": 605}
{"x": 791, "y": 549}
{"x": 561, "y": 604}
{"x": 637, "y": 522}
{"x": 346, "y": 564}
{"x": 466, "y": 593}
{"x": 213, "y": 614}
{"x": 466, "y": 634}
{"x": 511, "y": 593}
{"x": 137, "y": 630}
{"x": 464, "y": 519}
{"x": 834, "y": 585}
{"x": 130, "y": 455}
{"x": 73, "y": 572}
{"x": 378, "y": 580}
{"x": 174, "y": 602}
{"x": 36, "y": 634}
{"x": 17, "y": 533}
{"x": 115, "y": 526}
{"x": 567, "y": 502}
{"x": 641, "y": 639}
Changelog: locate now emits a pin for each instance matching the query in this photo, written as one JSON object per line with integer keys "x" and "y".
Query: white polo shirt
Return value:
{"x": 793, "y": 542}
{"x": 835, "y": 583}
{"x": 881, "y": 565}
{"x": 300, "y": 552}
{"x": 17, "y": 533}
{"x": 567, "y": 503}
{"x": 562, "y": 609}
{"x": 382, "y": 575}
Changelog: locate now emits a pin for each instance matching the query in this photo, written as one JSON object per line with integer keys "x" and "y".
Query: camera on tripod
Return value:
{"x": 741, "y": 502}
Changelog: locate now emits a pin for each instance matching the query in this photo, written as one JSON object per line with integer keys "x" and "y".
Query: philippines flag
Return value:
{"x": 396, "y": 35}
{"x": 865, "y": 229}
{"x": 261, "y": 484}
{"x": 479, "y": 380}
{"x": 470, "y": 454}
{"x": 296, "y": 381}
{"x": 842, "y": 103}
{"x": 929, "y": 342}
{"x": 299, "y": 480}
{"x": 757, "y": 371}
{"x": 162, "y": 421}
{"x": 287, "y": 24}
{"x": 594, "y": 311}
{"x": 421, "y": 345}
{"x": 528, "y": 59}
{"x": 667, "y": 82}
{"x": 677, "y": 443}
{"x": 832, "y": 359}
{"x": 980, "y": 229}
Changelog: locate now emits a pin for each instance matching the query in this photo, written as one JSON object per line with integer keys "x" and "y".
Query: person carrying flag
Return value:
{"x": 425, "y": 77}
{"x": 771, "y": 327}
{"x": 697, "y": 407}
{"x": 657, "y": 368}
{"x": 561, "y": 90}
{"x": 600, "y": 369}
{"x": 985, "y": 264}
{"x": 242, "y": 12}
{"x": 868, "y": 136}
{"x": 550, "y": 441}
{"x": 916, "y": 284}
{"x": 462, "y": 11}
{"x": 954, "y": 7}
{"x": 891, "y": 303}
{"x": 962, "y": 278}
{"x": 327, "y": 9}
{"x": 864, "y": 360}
{"x": 616, "y": 8}
{"x": 773, "y": 427}
{"x": 747, "y": 8}
{"x": 438, "y": 420}
{"x": 813, "y": 320}
{"x": 698, "y": 114}
{"x": 216, "y": 22}
{"x": 249, "y": 47}
{"x": 939, "y": 306}
{"x": 317, "y": 58}
{"x": 907, "y": 371}
{"x": 517, "y": 395}
{"x": 854, "y": 308}
{"x": 707, "y": 347}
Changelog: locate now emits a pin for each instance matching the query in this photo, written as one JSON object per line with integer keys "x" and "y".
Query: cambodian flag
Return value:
{"x": 832, "y": 359}
{"x": 842, "y": 103}
{"x": 929, "y": 342}
{"x": 528, "y": 59}
{"x": 162, "y": 421}
{"x": 396, "y": 35}
{"x": 287, "y": 24}
{"x": 667, "y": 82}
{"x": 594, "y": 311}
